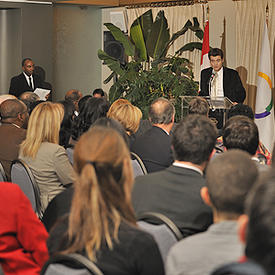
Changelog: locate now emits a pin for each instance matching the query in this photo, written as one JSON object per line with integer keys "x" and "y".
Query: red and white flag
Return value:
{"x": 205, "y": 63}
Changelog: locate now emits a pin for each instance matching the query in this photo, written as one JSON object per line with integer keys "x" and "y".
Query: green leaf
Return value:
{"x": 137, "y": 37}
{"x": 189, "y": 47}
{"x": 159, "y": 36}
{"x": 196, "y": 28}
{"x": 122, "y": 38}
{"x": 109, "y": 78}
{"x": 146, "y": 22}
{"x": 111, "y": 62}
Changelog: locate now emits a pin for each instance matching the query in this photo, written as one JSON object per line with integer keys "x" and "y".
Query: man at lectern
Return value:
{"x": 218, "y": 81}
{"x": 26, "y": 81}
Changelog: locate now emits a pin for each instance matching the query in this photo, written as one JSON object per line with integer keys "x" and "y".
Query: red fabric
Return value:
{"x": 23, "y": 248}
{"x": 205, "y": 44}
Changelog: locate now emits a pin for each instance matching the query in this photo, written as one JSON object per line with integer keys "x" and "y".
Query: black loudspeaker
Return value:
{"x": 113, "y": 47}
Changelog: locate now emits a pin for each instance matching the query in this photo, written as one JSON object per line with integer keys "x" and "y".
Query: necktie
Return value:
{"x": 30, "y": 82}
{"x": 214, "y": 92}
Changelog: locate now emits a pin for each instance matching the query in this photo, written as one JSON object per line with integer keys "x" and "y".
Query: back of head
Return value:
{"x": 128, "y": 115}
{"x": 11, "y": 108}
{"x": 229, "y": 178}
{"x": 94, "y": 109}
{"x": 118, "y": 102}
{"x": 194, "y": 139}
{"x": 240, "y": 110}
{"x": 215, "y": 52}
{"x": 161, "y": 111}
{"x": 198, "y": 106}
{"x": 82, "y": 102}
{"x": 260, "y": 235}
{"x": 102, "y": 197}
{"x": 98, "y": 93}
{"x": 29, "y": 96}
{"x": 73, "y": 95}
{"x": 6, "y": 96}
{"x": 241, "y": 132}
{"x": 44, "y": 125}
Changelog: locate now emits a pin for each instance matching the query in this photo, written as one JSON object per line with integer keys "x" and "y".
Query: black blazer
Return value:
{"x": 20, "y": 85}
{"x": 232, "y": 84}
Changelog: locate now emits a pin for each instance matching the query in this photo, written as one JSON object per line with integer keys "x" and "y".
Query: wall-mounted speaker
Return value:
{"x": 113, "y": 47}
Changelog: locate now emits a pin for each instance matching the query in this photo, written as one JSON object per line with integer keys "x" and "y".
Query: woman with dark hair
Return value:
{"x": 93, "y": 109}
{"x": 101, "y": 224}
{"x": 67, "y": 123}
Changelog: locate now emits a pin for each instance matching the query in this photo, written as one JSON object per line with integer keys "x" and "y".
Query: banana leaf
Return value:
{"x": 189, "y": 47}
{"x": 196, "y": 28}
{"x": 138, "y": 39}
{"x": 159, "y": 36}
{"x": 146, "y": 21}
{"x": 111, "y": 62}
{"x": 108, "y": 79}
{"x": 122, "y": 38}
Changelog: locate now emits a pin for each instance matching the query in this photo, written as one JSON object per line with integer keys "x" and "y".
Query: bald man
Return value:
{"x": 74, "y": 96}
{"x": 154, "y": 146}
{"x": 14, "y": 119}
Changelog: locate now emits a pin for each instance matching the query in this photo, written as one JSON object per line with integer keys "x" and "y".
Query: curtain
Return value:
{"x": 176, "y": 18}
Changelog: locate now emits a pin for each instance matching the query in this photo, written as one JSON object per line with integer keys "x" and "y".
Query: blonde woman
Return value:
{"x": 101, "y": 224}
{"x": 41, "y": 151}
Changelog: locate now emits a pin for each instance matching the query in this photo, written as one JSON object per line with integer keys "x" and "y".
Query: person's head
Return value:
{"x": 102, "y": 196}
{"x": 74, "y": 95}
{"x": 161, "y": 111}
{"x": 113, "y": 124}
{"x": 257, "y": 227}
{"x": 29, "y": 97}
{"x": 128, "y": 115}
{"x": 241, "y": 132}
{"x": 198, "y": 106}
{"x": 240, "y": 110}
{"x": 82, "y": 102}
{"x": 44, "y": 125}
{"x": 14, "y": 111}
{"x": 94, "y": 109}
{"x": 194, "y": 139}
{"x": 229, "y": 178}
{"x": 98, "y": 93}
{"x": 215, "y": 56}
{"x": 27, "y": 66}
{"x": 4, "y": 97}
{"x": 118, "y": 102}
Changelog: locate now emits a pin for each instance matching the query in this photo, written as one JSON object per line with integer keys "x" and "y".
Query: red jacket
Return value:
{"x": 23, "y": 237}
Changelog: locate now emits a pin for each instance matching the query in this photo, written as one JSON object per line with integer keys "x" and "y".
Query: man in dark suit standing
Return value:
{"x": 154, "y": 146}
{"x": 26, "y": 81}
{"x": 175, "y": 191}
{"x": 221, "y": 81}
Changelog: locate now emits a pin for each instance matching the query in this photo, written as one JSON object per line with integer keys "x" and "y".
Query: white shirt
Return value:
{"x": 28, "y": 79}
{"x": 219, "y": 83}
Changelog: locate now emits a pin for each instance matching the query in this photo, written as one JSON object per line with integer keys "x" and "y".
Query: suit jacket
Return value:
{"x": 20, "y": 85}
{"x": 10, "y": 139}
{"x": 174, "y": 192}
{"x": 154, "y": 148}
{"x": 232, "y": 84}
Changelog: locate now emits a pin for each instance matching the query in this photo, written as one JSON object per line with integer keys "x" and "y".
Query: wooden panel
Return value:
{"x": 106, "y": 3}
{"x": 138, "y": 2}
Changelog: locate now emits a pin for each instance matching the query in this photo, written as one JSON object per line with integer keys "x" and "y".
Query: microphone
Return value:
{"x": 212, "y": 76}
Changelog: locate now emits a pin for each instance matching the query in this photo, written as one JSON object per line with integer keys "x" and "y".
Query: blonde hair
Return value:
{"x": 128, "y": 115}
{"x": 102, "y": 195}
{"x": 117, "y": 103}
{"x": 44, "y": 125}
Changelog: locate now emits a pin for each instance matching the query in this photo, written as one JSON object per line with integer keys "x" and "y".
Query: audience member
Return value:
{"x": 5, "y": 97}
{"x": 229, "y": 178}
{"x": 28, "y": 98}
{"x": 94, "y": 109}
{"x": 82, "y": 102}
{"x": 74, "y": 95}
{"x": 23, "y": 247}
{"x": 154, "y": 146}
{"x": 98, "y": 93}
{"x": 101, "y": 224}
{"x": 175, "y": 191}
{"x": 47, "y": 160}
{"x": 198, "y": 106}
{"x": 14, "y": 120}
{"x": 67, "y": 123}
{"x": 129, "y": 116}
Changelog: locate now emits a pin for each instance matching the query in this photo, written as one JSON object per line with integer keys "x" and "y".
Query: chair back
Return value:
{"x": 70, "y": 264}
{"x": 3, "y": 176}
{"x": 22, "y": 176}
{"x": 70, "y": 153}
{"x": 138, "y": 165}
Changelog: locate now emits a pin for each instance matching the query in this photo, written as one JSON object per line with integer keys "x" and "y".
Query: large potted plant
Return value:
{"x": 150, "y": 72}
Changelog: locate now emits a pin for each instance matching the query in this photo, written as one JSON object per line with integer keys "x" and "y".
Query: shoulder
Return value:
{"x": 17, "y": 77}
{"x": 206, "y": 71}
{"x": 229, "y": 71}
{"x": 51, "y": 148}
{"x": 10, "y": 192}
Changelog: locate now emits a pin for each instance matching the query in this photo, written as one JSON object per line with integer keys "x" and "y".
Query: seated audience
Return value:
{"x": 41, "y": 151}
{"x": 175, "y": 191}
{"x": 101, "y": 224}
{"x": 93, "y": 109}
{"x": 6, "y": 96}
{"x": 154, "y": 146}
{"x": 129, "y": 116}
{"x": 14, "y": 121}
{"x": 23, "y": 238}
{"x": 198, "y": 106}
{"x": 28, "y": 98}
{"x": 229, "y": 178}
{"x": 244, "y": 110}
{"x": 74, "y": 96}
{"x": 98, "y": 93}
{"x": 67, "y": 123}
{"x": 240, "y": 132}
